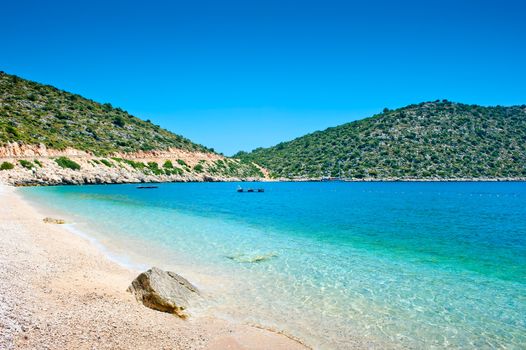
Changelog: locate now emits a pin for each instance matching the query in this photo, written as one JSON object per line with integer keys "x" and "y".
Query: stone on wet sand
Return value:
{"x": 54, "y": 221}
{"x": 164, "y": 291}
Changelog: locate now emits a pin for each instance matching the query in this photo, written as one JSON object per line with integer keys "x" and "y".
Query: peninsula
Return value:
{"x": 51, "y": 137}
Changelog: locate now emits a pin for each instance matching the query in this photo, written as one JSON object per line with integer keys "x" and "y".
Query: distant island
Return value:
{"x": 427, "y": 141}
{"x": 49, "y": 136}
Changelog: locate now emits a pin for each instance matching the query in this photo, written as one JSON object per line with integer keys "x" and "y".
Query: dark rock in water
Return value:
{"x": 165, "y": 291}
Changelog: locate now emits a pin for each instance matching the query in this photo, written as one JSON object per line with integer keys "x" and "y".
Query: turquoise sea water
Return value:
{"x": 401, "y": 265}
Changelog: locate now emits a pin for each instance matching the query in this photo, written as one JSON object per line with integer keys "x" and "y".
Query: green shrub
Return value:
{"x": 134, "y": 165}
{"x": 106, "y": 162}
{"x": 26, "y": 164}
{"x": 198, "y": 168}
{"x": 154, "y": 167}
{"x": 37, "y": 162}
{"x": 12, "y": 131}
{"x": 182, "y": 162}
{"x": 67, "y": 163}
{"x": 174, "y": 171}
{"x": 119, "y": 121}
{"x": 168, "y": 165}
{"x": 6, "y": 166}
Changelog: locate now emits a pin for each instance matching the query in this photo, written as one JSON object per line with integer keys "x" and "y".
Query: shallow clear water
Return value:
{"x": 413, "y": 265}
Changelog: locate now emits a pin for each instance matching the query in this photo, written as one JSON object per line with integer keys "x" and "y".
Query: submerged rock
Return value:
{"x": 245, "y": 258}
{"x": 164, "y": 291}
{"x": 54, "y": 221}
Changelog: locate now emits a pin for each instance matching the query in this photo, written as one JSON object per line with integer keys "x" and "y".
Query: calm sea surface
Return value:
{"x": 407, "y": 265}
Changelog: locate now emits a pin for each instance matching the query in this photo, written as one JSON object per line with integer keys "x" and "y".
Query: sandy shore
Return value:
{"x": 58, "y": 291}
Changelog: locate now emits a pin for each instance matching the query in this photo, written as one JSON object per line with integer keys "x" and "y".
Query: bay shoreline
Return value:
{"x": 63, "y": 292}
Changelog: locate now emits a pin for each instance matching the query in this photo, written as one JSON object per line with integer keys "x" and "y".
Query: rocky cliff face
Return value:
{"x": 20, "y": 150}
{"x": 37, "y": 165}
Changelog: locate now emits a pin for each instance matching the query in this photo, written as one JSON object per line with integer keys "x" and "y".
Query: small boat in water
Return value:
{"x": 251, "y": 190}
{"x": 146, "y": 187}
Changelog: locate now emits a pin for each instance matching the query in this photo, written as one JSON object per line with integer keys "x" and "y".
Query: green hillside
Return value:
{"x": 433, "y": 139}
{"x": 34, "y": 113}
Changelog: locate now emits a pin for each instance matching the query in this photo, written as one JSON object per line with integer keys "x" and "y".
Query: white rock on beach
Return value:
{"x": 164, "y": 291}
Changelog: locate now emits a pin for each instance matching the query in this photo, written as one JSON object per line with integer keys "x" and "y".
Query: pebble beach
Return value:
{"x": 60, "y": 292}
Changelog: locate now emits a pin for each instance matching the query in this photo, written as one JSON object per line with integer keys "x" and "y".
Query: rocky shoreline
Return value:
{"x": 23, "y": 165}
{"x": 37, "y": 166}
{"x": 50, "y": 174}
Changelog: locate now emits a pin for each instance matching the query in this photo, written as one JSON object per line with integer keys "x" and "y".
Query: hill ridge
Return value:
{"x": 435, "y": 139}
{"x": 35, "y": 113}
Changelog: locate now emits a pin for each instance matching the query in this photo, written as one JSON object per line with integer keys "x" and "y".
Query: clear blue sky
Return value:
{"x": 241, "y": 74}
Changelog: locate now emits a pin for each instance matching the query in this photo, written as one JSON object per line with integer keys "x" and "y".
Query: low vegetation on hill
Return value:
{"x": 33, "y": 113}
{"x": 438, "y": 139}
